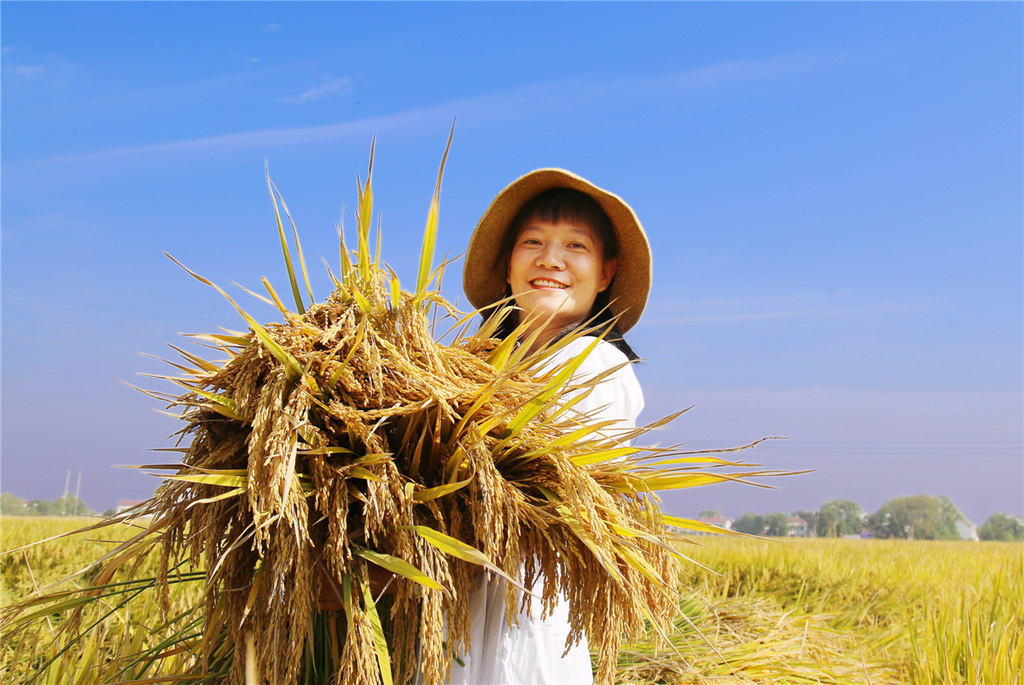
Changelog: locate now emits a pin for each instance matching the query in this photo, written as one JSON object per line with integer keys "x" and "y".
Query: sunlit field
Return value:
{"x": 910, "y": 612}
{"x": 758, "y": 611}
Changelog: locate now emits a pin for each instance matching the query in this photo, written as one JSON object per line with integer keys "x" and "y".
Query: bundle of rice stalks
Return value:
{"x": 346, "y": 453}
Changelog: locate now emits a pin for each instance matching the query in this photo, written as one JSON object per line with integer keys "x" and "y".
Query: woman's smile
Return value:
{"x": 547, "y": 283}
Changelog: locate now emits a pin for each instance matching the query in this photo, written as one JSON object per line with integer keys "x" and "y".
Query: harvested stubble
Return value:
{"x": 348, "y": 437}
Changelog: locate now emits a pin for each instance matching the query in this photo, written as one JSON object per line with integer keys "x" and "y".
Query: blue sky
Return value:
{"x": 833, "y": 193}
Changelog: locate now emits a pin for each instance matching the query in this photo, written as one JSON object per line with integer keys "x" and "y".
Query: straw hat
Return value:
{"x": 484, "y": 284}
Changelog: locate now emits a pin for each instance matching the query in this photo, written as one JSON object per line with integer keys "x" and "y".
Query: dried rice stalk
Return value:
{"x": 347, "y": 438}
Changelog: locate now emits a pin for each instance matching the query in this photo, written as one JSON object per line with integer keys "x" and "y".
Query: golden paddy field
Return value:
{"x": 757, "y": 611}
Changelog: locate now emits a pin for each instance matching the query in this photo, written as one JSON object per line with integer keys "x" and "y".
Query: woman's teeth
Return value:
{"x": 544, "y": 283}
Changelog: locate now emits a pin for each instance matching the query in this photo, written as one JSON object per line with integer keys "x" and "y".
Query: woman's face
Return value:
{"x": 556, "y": 270}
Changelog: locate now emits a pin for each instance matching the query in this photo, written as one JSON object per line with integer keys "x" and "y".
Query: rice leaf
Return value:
{"x": 211, "y": 479}
{"x": 460, "y": 550}
{"x": 398, "y": 566}
{"x": 440, "y": 490}
{"x": 294, "y": 368}
{"x": 430, "y": 230}
{"x": 285, "y": 250}
{"x": 380, "y": 643}
{"x": 298, "y": 248}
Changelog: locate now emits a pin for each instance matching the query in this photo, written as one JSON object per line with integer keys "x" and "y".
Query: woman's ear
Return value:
{"x": 607, "y": 273}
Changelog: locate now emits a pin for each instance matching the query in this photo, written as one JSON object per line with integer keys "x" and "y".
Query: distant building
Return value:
{"x": 796, "y": 527}
{"x": 966, "y": 530}
{"x": 125, "y": 504}
{"x": 717, "y": 521}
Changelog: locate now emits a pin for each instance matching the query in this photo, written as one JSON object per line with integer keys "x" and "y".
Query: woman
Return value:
{"x": 569, "y": 254}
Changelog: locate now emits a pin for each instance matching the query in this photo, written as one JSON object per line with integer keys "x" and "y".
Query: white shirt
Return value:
{"x": 531, "y": 654}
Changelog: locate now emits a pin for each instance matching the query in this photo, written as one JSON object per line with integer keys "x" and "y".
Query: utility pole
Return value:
{"x": 78, "y": 489}
{"x": 64, "y": 498}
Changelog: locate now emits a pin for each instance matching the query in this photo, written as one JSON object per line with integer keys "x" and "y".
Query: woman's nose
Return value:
{"x": 550, "y": 258}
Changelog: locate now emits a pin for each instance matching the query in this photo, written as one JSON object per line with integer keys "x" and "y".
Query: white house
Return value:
{"x": 796, "y": 527}
{"x": 966, "y": 530}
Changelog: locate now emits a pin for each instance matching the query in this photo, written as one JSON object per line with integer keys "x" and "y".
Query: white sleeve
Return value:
{"x": 618, "y": 397}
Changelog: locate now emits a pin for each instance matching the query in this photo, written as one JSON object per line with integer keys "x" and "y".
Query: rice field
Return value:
{"x": 757, "y": 611}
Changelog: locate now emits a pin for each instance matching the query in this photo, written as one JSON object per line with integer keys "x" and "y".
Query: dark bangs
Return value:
{"x": 561, "y": 204}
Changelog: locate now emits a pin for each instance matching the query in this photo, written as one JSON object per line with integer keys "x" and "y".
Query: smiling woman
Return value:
{"x": 568, "y": 254}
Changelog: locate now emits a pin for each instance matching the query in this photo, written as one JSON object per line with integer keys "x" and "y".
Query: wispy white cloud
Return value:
{"x": 27, "y": 71}
{"x": 330, "y": 87}
{"x": 521, "y": 104}
{"x": 50, "y": 69}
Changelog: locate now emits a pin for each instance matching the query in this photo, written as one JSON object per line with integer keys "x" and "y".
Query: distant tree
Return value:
{"x": 752, "y": 524}
{"x": 69, "y": 505}
{"x": 1001, "y": 527}
{"x": 839, "y": 517}
{"x": 66, "y": 505}
{"x": 12, "y": 505}
{"x": 42, "y": 507}
{"x": 776, "y": 524}
{"x": 811, "y": 517}
{"x": 922, "y": 517}
{"x": 710, "y": 514}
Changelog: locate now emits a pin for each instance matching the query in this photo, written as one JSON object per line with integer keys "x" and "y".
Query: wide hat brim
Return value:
{"x": 484, "y": 279}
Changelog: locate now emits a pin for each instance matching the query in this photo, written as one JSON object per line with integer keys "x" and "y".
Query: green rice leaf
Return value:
{"x": 460, "y": 550}
{"x": 294, "y": 369}
{"x": 398, "y": 566}
{"x": 549, "y": 393}
{"x": 396, "y": 292}
{"x": 222, "y": 405}
{"x": 274, "y": 297}
{"x": 639, "y": 563}
{"x": 360, "y": 472}
{"x": 687, "y": 480}
{"x": 298, "y": 247}
{"x": 380, "y": 642}
{"x": 327, "y": 450}
{"x": 699, "y": 526}
{"x": 440, "y": 491}
{"x": 599, "y": 456}
{"x": 430, "y": 230}
{"x": 285, "y": 250}
{"x": 364, "y": 217}
{"x": 212, "y": 479}
{"x": 226, "y": 495}
{"x": 198, "y": 361}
